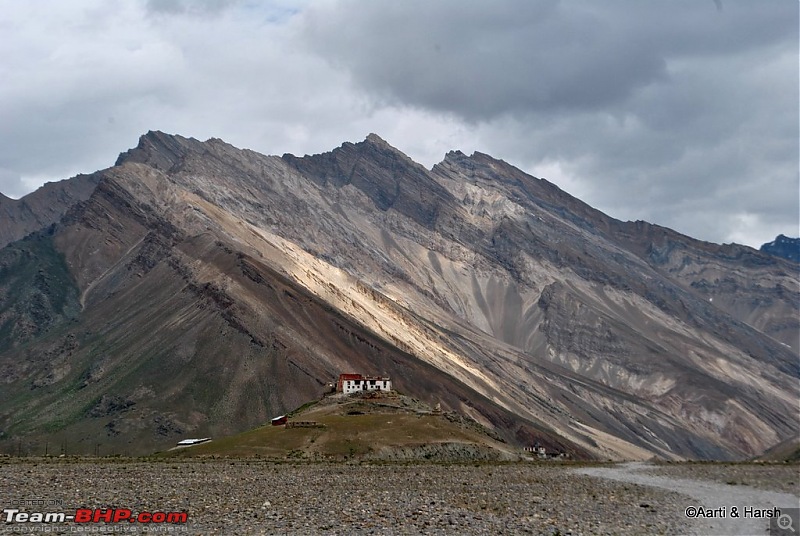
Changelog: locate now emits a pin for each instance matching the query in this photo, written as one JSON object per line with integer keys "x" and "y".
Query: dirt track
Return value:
{"x": 722, "y": 489}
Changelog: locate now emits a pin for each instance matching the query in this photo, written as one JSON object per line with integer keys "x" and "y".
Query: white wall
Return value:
{"x": 354, "y": 386}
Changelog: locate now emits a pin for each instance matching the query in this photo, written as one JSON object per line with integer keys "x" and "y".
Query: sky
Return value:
{"x": 683, "y": 113}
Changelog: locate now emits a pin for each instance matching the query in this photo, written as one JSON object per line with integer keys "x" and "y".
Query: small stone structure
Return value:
{"x": 304, "y": 424}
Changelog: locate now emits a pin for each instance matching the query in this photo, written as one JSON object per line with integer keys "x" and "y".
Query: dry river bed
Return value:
{"x": 259, "y": 497}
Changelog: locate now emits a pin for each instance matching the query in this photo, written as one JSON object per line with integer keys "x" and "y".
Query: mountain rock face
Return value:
{"x": 201, "y": 289}
{"x": 43, "y": 207}
{"x": 784, "y": 247}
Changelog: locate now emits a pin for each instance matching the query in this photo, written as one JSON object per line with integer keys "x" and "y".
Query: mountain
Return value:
{"x": 43, "y": 207}
{"x": 201, "y": 289}
{"x": 787, "y": 451}
{"x": 784, "y": 247}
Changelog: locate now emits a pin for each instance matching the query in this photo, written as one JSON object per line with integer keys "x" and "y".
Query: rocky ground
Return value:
{"x": 262, "y": 497}
{"x": 258, "y": 497}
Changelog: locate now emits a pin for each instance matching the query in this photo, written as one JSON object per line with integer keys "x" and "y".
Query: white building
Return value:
{"x": 353, "y": 383}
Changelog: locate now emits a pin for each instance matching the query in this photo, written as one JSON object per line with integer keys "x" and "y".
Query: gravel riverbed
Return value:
{"x": 260, "y": 497}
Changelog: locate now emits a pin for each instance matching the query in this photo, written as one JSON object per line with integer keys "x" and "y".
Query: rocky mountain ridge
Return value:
{"x": 218, "y": 286}
{"x": 784, "y": 247}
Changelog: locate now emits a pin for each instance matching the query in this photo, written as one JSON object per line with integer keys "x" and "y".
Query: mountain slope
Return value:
{"x": 219, "y": 287}
{"x": 168, "y": 344}
{"x": 43, "y": 207}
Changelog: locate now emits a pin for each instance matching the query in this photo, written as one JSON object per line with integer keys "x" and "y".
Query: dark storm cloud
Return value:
{"x": 479, "y": 60}
{"x": 678, "y": 112}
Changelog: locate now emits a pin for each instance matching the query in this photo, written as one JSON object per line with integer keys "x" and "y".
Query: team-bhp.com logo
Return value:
{"x": 94, "y": 515}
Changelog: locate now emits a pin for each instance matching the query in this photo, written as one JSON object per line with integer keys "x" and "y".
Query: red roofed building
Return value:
{"x": 277, "y": 421}
{"x": 352, "y": 383}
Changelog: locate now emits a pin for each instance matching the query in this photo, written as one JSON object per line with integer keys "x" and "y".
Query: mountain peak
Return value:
{"x": 373, "y": 142}
{"x": 783, "y": 246}
{"x": 385, "y": 174}
{"x": 159, "y": 150}
{"x": 374, "y": 138}
{"x": 454, "y": 156}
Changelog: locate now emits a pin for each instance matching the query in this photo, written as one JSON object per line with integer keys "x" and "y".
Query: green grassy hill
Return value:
{"x": 371, "y": 426}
